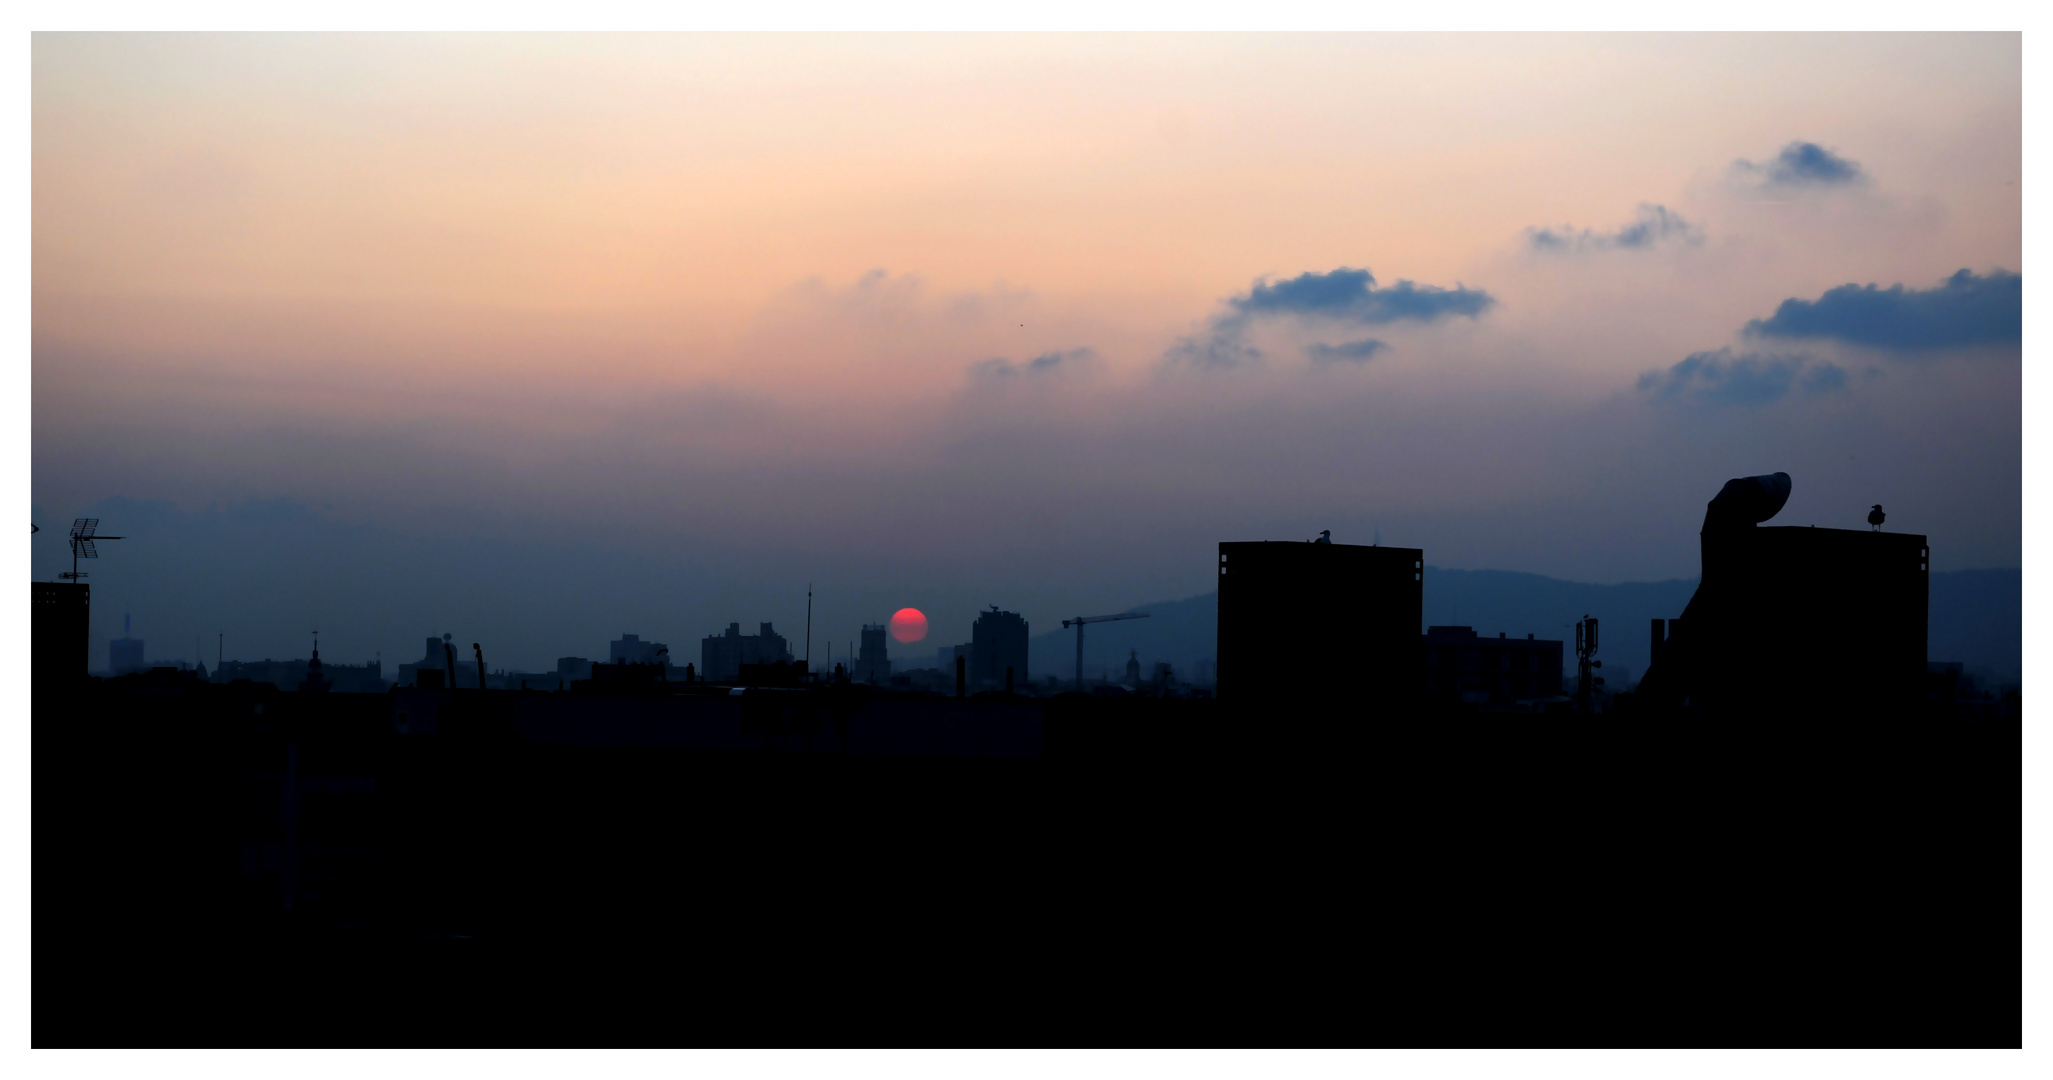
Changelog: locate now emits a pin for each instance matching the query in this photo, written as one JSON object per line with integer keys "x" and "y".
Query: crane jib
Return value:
{"x": 1079, "y": 622}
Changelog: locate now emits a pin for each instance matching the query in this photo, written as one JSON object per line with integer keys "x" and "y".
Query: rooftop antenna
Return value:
{"x": 809, "y": 629}
{"x": 82, "y": 538}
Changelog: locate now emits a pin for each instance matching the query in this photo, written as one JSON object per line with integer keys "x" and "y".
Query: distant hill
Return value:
{"x": 1976, "y": 618}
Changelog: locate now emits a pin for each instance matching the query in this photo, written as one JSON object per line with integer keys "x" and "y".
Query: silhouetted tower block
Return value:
{"x": 1468, "y": 672}
{"x": 1797, "y": 621}
{"x": 631, "y": 649}
{"x": 998, "y": 642}
{"x": 438, "y": 654}
{"x": 58, "y": 632}
{"x": 873, "y": 663}
{"x": 722, "y": 655}
{"x": 1326, "y": 626}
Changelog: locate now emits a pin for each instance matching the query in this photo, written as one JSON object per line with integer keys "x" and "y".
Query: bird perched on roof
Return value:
{"x": 1876, "y": 517}
{"x": 1325, "y": 537}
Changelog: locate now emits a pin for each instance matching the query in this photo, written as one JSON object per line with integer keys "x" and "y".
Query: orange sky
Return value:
{"x": 326, "y": 267}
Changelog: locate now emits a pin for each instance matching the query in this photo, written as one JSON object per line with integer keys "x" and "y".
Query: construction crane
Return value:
{"x": 82, "y": 538}
{"x": 1079, "y": 622}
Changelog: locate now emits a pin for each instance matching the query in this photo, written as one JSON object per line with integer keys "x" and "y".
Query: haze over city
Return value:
{"x": 539, "y": 340}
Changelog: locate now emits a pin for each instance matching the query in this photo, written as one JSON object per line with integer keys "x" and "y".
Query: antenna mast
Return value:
{"x": 82, "y": 538}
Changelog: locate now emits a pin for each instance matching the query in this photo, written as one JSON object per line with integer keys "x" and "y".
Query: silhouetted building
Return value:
{"x": 1802, "y": 621}
{"x": 997, "y": 641}
{"x": 631, "y": 649}
{"x": 1328, "y": 626}
{"x": 1133, "y": 668}
{"x": 873, "y": 663}
{"x": 572, "y": 668}
{"x": 124, "y": 655}
{"x": 721, "y": 656}
{"x": 1489, "y": 674}
{"x": 59, "y": 633}
{"x": 315, "y": 682}
{"x": 436, "y": 656}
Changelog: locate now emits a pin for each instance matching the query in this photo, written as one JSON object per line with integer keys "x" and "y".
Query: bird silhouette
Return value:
{"x": 1876, "y": 517}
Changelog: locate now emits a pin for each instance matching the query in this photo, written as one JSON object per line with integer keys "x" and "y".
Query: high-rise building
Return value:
{"x": 437, "y": 655}
{"x": 721, "y": 655}
{"x": 1322, "y": 627}
{"x": 125, "y": 655}
{"x": 873, "y": 663}
{"x": 998, "y": 641}
{"x": 631, "y": 649}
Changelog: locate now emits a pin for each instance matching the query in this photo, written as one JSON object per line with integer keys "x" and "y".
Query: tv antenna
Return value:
{"x": 82, "y": 538}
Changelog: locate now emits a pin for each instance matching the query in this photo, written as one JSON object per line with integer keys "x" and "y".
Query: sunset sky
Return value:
{"x": 540, "y": 339}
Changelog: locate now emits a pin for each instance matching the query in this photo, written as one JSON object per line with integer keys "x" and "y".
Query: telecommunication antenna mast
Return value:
{"x": 1587, "y": 680}
{"x": 1079, "y": 622}
{"x": 82, "y": 538}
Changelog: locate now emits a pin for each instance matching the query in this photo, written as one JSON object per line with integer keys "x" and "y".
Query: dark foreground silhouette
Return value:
{"x": 238, "y": 865}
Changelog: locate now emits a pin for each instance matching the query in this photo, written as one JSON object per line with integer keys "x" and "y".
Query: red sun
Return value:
{"x": 908, "y": 626}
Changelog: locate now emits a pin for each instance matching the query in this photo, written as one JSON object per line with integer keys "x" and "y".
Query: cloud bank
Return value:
{"x": 1653, "y": 225}
{"x": 1749, "y": 380}
{"x": 1345, "y": 295}
{"x": 1802, "y": 165}
{"x": 1346, "y": 352}
{"x": 1046, "y": 364}
{"x": 1963, "y": 310}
